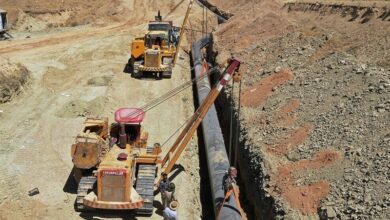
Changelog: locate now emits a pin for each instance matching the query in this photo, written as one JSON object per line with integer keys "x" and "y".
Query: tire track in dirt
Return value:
{"x": 63, "y": 40}
{"x": 137, "y": 17}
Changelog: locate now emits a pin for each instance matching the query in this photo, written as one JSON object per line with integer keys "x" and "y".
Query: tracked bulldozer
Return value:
{"x": 156, "y": 52}
{"x": 103, "y": 162}
{"x": 114, "y": 165}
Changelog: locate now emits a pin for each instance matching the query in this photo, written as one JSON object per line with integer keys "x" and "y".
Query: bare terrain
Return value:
{"x": 315, "y": 102}
{"x": 315, "y": 105}
{"x": 74, "y": 72}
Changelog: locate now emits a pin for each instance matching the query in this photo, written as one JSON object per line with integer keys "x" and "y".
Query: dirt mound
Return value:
{"x": 12, "y": 79}
{"x": 81, "y": 108}
{"x": 34, "y": 15}
{"x": 27, "y": 22}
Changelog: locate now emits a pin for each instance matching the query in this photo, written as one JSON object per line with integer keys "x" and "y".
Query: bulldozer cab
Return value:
{"x": 156, "y": 39}
{"x": 127, "y": 129}
{"x": 159, "y": 26}
{"x": 159, "y": 34}
{"x": 3, "y": 20}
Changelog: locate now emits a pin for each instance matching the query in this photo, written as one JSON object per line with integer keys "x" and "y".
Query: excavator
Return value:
{"x": 114, "y": 165}
{"x": 156, "y": 52}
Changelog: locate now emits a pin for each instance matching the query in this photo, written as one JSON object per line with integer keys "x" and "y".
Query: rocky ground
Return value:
{"x": 315, "y": 113}
{"x": 316, "y": 103}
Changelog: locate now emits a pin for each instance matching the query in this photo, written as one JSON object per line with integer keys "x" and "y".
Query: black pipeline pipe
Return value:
{"x": 217, "y": 160}
{"x": 221, "y": 15}
{"x": 220, "y": 18}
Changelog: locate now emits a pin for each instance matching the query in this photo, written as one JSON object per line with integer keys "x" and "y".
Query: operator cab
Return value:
{"x": 159, "y": 34}
{"x": 127, "y": 130}
{"x": 159, "y": 26}
{"x": 156, "y": 39}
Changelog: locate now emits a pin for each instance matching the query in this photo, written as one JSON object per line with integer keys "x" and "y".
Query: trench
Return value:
{"x": 216, "y": 157}
{"x": 254, "y": 200}
{"x": 252, "y": 178}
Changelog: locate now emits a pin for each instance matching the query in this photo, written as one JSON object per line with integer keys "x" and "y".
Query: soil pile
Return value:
{"x": 32, "y": 15}
{"x": 38, "y": 15}
{"x": 322, "y": 132}
{"x": 12, "y": 79}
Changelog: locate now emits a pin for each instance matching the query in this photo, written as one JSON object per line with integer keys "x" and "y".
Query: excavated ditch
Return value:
{"x": 255, "y": 201}
{"x": 252, "y": 178}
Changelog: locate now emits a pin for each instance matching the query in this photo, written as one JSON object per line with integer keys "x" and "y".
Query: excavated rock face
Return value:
{"x": 13, "y": 77}
{"x": 38, "y": 15}
{"x": 315, "y": 106}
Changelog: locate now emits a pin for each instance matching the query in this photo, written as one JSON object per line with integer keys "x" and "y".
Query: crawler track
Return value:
{"x": 145, "y": 187}
{"x": 85, "y": 186}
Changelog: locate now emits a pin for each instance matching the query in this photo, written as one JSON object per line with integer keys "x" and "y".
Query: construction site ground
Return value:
{"x": 72, "y": 73}
{"x": 315, "y": 102}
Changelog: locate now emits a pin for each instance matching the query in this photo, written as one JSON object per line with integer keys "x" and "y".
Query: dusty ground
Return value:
{"x": 33, "y": 15}
{"x": 77, "y": 71}
{"x": 315, "y": 103}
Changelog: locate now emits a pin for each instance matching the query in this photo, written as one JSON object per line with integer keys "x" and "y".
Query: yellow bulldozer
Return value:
{"x": 114, "y": 165}
{"x": 105, "y": 155}
{"x": 156, "y": 52}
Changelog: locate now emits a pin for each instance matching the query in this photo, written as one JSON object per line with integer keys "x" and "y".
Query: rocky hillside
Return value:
{"x": 315, "y": 104}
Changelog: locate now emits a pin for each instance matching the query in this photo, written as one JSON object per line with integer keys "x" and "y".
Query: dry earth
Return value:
{"x": 315, "y": 104}
{"x": 75, "y": 72}
{"x": 315, "y": 101}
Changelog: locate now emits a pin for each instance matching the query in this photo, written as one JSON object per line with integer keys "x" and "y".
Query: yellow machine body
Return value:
{"x": 155, "y": 51}
{"x": 90, "y": 144}
{"x": 137, "y": 48}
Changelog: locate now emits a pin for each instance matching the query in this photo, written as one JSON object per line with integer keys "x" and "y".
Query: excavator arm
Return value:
{"x": 185, "y": 136}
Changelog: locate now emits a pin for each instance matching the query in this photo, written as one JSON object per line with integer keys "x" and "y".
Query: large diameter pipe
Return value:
{"x": 217, "y": 160}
